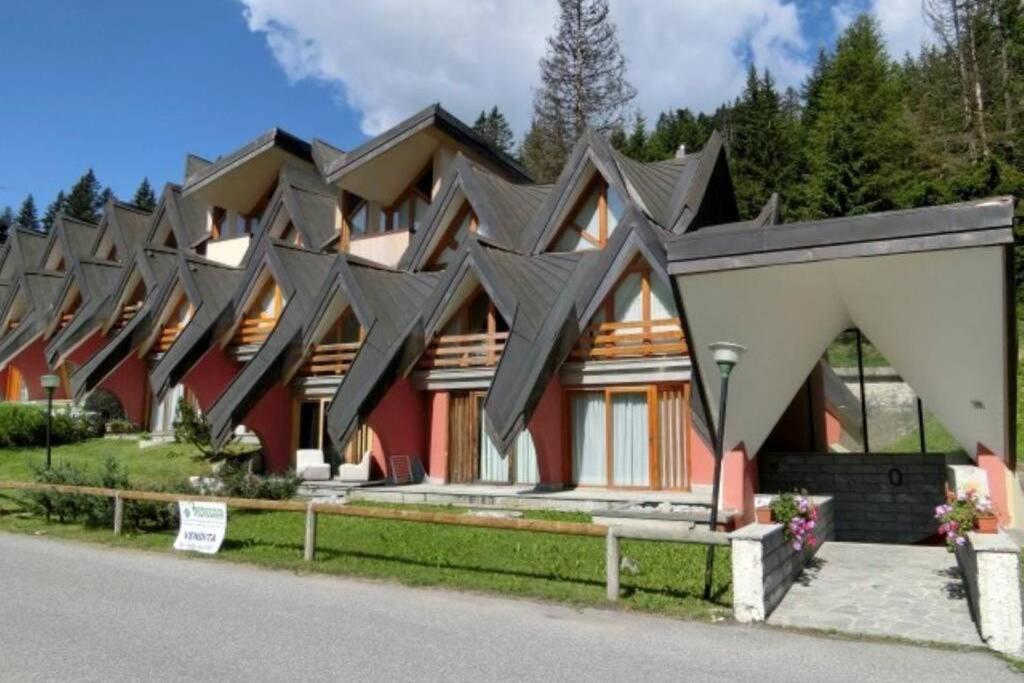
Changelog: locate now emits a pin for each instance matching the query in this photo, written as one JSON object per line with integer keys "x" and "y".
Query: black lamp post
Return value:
{"x": 726, "y": 355}
{"x": 50, "y": 383}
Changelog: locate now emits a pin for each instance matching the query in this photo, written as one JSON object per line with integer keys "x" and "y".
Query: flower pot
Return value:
{"x": 987, "y": 524}
{"x": 764, "y": 515}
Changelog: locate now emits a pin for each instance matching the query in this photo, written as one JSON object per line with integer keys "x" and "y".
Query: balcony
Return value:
{"x": 254, "y": 330}
{"x": 464, "y": 351}
{"x": 635, "y": 339}
{"x": 65, "y": 320}
{"x": 167, "y": 337}
{"x": 126, "y": 315}
{"x": 330, "y": 359}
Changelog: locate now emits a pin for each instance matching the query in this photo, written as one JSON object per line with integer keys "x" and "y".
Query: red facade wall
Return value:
{"x": 437, "y": 453}
{"x": 547, "y": 429}
{"x": 399, "y": 424}
{"x": 130, "y": 383}
{"x": 31, "y": 363}
{"x": 211, "y": 375}
{"x": 270, "y": 420}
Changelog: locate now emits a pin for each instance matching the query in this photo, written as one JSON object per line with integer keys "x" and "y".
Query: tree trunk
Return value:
{"x": 979, "y": 100}
{"x": 965, "y": 99}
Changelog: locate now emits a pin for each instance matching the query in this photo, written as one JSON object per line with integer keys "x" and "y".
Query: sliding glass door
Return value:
{"x": 473, "y": 457}
{"x": 629, "y": 437}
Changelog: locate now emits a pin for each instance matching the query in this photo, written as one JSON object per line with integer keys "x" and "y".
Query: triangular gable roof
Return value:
{"x": 705, "y": 194}
{"x": 186, "y": 219}
{"x": 590, "y": 151}
{"x": 75, "y": 237}
{"x": 39, "y": 289}
{"x": 308, "y": 202}
{"x": 503, "y": 210}
{"x": 96, "y": 279}
{"x": 153, "y": 266}
{"x": 23, "y": 248}
{"x": 200, "y": 174}
{"x": 393, "y": 339}
{"x": 533, "y": 356}
{"x": 325, "y": 155}
{"x": 210, "y": 286}
{"x": 306, "y": 273}
{"x": 126, "y": 225}
{"x": 433, "y": 116}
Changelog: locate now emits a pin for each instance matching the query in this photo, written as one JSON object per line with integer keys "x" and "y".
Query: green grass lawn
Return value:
{"x": 161, "y": 464}
{"x": 563, "y": 568}
{"x": 936, "y": 439}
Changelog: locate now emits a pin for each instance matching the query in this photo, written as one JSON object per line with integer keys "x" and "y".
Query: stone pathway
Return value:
{"x": 881, "y": 590}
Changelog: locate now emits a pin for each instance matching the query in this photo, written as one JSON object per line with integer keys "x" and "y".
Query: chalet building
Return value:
{"x": 420, "y": 299}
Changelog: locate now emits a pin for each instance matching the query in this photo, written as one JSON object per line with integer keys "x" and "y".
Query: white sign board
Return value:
{"x": 202, "y": 526}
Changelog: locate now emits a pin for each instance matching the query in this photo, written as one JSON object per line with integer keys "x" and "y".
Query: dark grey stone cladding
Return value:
{"x": 879, "y": 498}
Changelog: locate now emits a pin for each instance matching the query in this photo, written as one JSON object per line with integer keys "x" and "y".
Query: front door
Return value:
{"x": 462, "y": 439}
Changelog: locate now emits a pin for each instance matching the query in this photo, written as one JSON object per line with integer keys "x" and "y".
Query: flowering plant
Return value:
{"x": 798, "y": 517}
{"x": 958, "y": 515}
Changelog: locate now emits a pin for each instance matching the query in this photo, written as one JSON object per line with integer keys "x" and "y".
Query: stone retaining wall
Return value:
{"x": 991, "y": 569}
{"x": 879, "y": 498}
{"x": 764, "y": 565}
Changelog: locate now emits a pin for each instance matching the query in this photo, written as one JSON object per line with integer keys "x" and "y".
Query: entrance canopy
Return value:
{"x": 932, "y": 288}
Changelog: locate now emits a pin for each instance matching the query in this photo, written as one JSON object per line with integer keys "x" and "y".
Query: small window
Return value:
{"x": 593, "y": 219}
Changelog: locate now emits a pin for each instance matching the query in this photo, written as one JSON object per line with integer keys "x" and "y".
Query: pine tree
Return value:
{"x": 6, "y": 223}
{"x": 763, "y": 147}
{"x": 50, "y": 217}
{"x": 583, "y": 84}
{"x": 858, "y": 145}
{"x": 85, "y": 201}
{"x": 144, "y": 197}
{"x": 636, "y": 144}
{"x": 493, "y": 127}
{"x": 28, "y": 216}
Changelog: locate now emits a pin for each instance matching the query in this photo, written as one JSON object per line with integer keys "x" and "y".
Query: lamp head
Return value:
{"x": 50, "y": 382}
{"x": 726, "y": 355}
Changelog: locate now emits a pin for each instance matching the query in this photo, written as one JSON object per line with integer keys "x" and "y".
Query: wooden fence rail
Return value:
{"x": 313, "y": 508}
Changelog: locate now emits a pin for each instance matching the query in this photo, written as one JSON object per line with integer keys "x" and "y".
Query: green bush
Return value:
{"x": 99, "y": 510}
{"x": 121, "y": 426}
{"x": 24, "y": 426}
{"x": 239, "y": 482}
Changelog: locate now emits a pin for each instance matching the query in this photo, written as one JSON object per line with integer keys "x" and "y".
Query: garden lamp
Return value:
{"x": 726, "y": 356}
{"x": 50, "y": 383}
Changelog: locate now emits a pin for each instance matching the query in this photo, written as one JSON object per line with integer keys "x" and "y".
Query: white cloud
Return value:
{"x": 390, "y": 58}
{"x": 903, "y": 26}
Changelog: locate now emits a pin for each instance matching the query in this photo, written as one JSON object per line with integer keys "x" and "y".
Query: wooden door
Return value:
{"x": 462, "y": 439}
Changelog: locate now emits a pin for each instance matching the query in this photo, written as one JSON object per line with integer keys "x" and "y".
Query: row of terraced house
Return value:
{"x": 420, "y": 296}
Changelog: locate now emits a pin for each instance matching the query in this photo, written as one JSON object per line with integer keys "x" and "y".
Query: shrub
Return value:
{"x": 121, "y": 426}
{"x": 24, "y": 426}
{"x": 239, "y": 482}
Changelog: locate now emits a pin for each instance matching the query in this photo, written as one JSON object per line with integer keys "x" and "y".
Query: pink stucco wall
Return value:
{"x": 399, "y": 424}
{"x": 31, "y": 363}
{"x": 702, "y": 460}
{"x": 739, "y": 482}
{"x": 996, "y": 471}
{"x": 271, "y": 420}
{"x": 90, "y": 345}
{"x": 438, "y": 403}
{"x": 210, "y": 376}
{"x": 547, "y": 429}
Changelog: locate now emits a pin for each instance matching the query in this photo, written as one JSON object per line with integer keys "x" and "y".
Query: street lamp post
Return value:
{"x": 726, "y": 355}
{"x": 50, "y": 383}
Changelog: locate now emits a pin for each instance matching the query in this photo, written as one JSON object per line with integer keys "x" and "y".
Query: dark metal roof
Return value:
{"x": 199, "y": 174}
{"x": 435, "y": 116}
{"x": 503, "y": 210}
{"x": 97, "y": 280}
{"x": 324, "y": 155}
{"x": 127, "y": 225}
{"x": 394, "y": 337}
{"x": 741, "y": 245}
{"x": 183, "y": 216}
{"x": 309, "y": 203}
{"x": 24, "y": 248}
{"x": 40, "y": 288}
{"x": 155, "y": 266}
{"x": 210, "y": 287}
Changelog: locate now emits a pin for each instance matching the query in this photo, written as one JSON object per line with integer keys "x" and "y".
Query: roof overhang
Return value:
{"x": 931, "y": 288}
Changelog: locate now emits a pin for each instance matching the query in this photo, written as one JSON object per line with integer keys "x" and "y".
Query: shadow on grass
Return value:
{"x": 328, "y": 554}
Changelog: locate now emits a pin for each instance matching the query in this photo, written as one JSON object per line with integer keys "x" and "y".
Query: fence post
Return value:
{"x": 612, "y": 563}
{"x": 118, "y": 514}
{"x": 309, "y": 551}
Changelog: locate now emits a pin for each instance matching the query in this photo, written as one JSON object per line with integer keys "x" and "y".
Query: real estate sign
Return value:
{"x": 202, "y": 526}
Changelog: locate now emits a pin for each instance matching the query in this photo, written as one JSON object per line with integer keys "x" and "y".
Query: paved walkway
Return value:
{"x": 882, "y": 590}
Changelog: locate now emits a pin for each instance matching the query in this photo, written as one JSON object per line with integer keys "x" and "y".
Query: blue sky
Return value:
{"x": 129, "y": 87}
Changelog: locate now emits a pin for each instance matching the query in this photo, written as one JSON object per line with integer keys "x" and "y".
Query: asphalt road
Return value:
{"x": 77, "y": 612}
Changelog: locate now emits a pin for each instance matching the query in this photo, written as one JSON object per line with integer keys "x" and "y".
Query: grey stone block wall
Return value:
{"x": 765, "y": 565}
{"x": 878, "y": 498}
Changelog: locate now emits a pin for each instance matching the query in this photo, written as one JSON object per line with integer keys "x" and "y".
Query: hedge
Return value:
{"x": 24, "y": 426}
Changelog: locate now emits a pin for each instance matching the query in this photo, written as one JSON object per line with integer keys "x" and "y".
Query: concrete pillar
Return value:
{"x": 309, "y": 549}
{"x": 118, "y": 515}
{"x": 612, "y": 564}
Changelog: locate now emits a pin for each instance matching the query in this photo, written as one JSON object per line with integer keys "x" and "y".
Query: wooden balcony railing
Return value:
{"x": 631, "y": 340}
{"x": 330, "y": 359}
{"x": 465, "y": 350}
{"x": 65, "y": 320}
{"x": 127, "y": 313}
{"x": 168, "y": 334}
{"x": 13, "y": 324}
{"x": 254, "y": 330}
